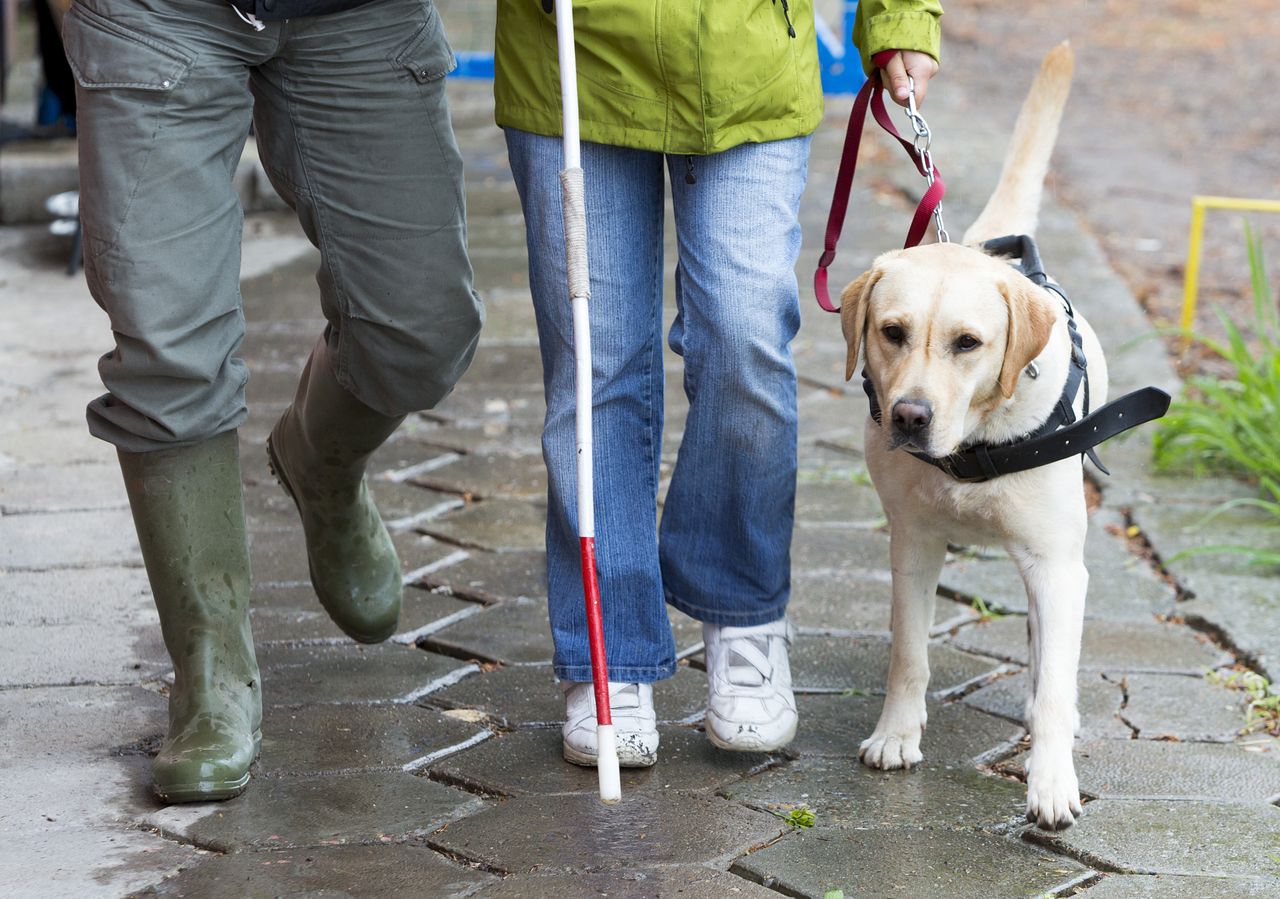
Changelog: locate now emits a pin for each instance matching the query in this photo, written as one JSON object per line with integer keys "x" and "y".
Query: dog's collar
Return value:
{"x": 1061, "y": 435}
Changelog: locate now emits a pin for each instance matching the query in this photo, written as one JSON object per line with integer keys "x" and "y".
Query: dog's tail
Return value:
{"x": 1014, "y": 206}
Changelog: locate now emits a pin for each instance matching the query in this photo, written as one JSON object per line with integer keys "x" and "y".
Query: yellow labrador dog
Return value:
{"x": 961, "y": 349}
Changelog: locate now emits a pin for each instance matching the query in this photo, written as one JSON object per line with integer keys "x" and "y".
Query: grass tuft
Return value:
{"x": 1231, "y": 424}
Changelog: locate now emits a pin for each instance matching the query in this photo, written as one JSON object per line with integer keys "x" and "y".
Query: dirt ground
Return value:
{"x": 1171, "y": 98}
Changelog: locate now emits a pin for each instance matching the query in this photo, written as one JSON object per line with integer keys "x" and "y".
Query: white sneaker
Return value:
{"x": 750, "y": 707}
{"x": 635, "y": 724}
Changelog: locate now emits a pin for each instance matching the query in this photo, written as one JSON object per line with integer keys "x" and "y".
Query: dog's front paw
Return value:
{"x": 1053, "y": 793}
{"x": 890, "y": 749}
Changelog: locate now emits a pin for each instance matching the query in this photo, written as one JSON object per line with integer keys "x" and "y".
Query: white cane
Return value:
{"x": 575, "y": 245}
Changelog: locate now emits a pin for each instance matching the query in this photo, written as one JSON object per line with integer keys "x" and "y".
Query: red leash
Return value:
{"x": 872, "y": 95}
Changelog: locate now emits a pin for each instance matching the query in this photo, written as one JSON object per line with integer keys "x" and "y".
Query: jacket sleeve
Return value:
{"x": 896, "y": 25}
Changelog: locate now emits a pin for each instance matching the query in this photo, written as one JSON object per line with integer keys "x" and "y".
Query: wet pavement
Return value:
{"x": 430, "y": 766}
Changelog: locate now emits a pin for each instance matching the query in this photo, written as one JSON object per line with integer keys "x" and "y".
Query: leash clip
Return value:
{"x": 922, "y": 142}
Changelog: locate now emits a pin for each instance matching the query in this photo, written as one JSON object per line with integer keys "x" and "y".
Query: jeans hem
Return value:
{"x": 628, "y": 675}
{"x": 721, "y": 617}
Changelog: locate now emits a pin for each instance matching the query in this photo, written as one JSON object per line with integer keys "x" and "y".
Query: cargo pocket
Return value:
{"x": 428, "y": 56}
{"x": 125, "y": 80}
{"x": 105, "y": 55}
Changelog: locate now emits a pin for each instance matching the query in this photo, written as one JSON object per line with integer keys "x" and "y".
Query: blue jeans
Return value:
{"x": 723, "y": 552}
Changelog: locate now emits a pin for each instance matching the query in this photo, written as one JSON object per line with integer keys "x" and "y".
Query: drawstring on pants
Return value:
{"x": 249, "y": 18}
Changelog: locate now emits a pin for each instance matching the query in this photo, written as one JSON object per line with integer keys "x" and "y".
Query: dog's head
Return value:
{"x": 946, "y": 331}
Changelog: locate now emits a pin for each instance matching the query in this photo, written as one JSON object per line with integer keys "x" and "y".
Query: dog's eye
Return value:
{"x": 894, "y": 334}
{"x": 967, "y": 342}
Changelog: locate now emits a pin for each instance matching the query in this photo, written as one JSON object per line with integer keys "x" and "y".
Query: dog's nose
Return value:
{"x": 911, "y": 417}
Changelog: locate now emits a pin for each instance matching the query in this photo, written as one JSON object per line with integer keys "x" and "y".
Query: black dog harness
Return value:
{"x": 1062, "y": 435}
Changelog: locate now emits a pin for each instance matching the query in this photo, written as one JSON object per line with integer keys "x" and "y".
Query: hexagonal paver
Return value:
{"x": 400, "y": 871}
{"x": 514, "y": 631}
{"x": 491, "y": 577}
{"x": 842, "y": 792}
{"x": 1172, "y": 837}
{"x": 1186, "y": 708}
{"x": 836, "y": 494}
{"x": 530, "y": 761}
{"x": 313, "y": 675}
{"x": 1099, "y": 702}
{"x": 835, "y": 725}
{"x": 899, "y": 862}
{"x": 833, "y": 548}
{"x": 519, "y": 696}
{"x": 283, "y": 813}
{"x": 1151, "y": 769}
{"x": 1165, "y": 886}
{"x": 1131, "y": 646}
{"x": 556, "y": 834}
{"x": 494, "y": 524}
{"x": 834, "y": 663}
{"x": 684, "y": 881}
{"x": 330, "y": 738}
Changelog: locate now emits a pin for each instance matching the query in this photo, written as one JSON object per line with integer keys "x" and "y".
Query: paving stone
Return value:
{"x": 88, "y": 861}
{"x": 43, "y": 489}
{"x": 1137, "y": 646}
{"x": 518, "y": 696}
{"x": 1099, "y": 702}
{"x": 837, "y": 601}
{"x": 38, "y": 542}
{"x": 834, "y": 663}
{"x": 530, "y": 761}
{"x": 84, "y": 626}
{"x": 516, "y": 631}
{"x": 490, "y": 577}
{"x": 399, "y": 871}
{"x": 495, "y": 524}
{"x": 268, "y": 508}
{"x": 484, "y": 476}
{"x": 294, "y": 615}
{"x": 285, "y": 813}
{"x": 685, "y": 881}
{"x": 897, "y": 862}
{"x": 1171, "y": 837}
{"x": 842, "y": 792}
{"x": 508, "y": 427}
{"x": 1165, "y": 886}
{"x": 844, "y": 549}
{"x": 402, "y": 505}
{"x": 576, "y": 832}
{"x": 835, "y": 725}
{"x": 837, "y": 493}
{"x": 334, "y": 738}
{"x": 1174, "y": 528}
{"x": 1243, "y": 609}
{"x": 1187, "y": 708}
{"x": 1121, "y": 585}
{"x": 280, "y": 557}
{"x": 295, "y": 676}
{"x": 1156, "y": 769}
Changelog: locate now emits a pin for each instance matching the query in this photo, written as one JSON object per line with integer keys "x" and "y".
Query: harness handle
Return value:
{"x": 872, "y": 96}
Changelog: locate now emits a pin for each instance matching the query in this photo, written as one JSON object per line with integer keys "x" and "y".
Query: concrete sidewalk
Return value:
{"x": 430, "y": 766}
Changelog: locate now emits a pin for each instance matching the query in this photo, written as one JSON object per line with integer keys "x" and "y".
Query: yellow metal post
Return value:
{"x": 1198, "y": 206}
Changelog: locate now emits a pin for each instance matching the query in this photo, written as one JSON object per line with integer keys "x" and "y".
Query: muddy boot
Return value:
{"x": 318, "y": 450}
{"x": 188, "y": 507}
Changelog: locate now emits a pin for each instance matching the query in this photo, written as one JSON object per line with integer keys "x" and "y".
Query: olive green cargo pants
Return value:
{"x": 353, "y": 129}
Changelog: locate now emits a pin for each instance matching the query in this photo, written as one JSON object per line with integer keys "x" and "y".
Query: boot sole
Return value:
{"x": 209, "y": 790}
{"x": 277, "y": 471}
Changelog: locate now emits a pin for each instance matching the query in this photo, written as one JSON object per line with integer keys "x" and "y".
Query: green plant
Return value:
{"x": 798, "y": 817}
{"x": 1262, "y": 713}
{"x": 1231, "y": 424}
{"x": 985, "y": 612}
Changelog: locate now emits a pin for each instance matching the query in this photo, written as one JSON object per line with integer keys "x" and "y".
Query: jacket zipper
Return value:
{"x": 786, "y": 15}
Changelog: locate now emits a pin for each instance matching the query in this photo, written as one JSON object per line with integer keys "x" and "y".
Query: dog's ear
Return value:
{"x": 853, "y": 315}
{"x": 1031, "y": 319}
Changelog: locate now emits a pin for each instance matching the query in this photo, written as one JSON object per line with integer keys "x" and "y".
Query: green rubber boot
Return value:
{"x": 188, "y": 507}
{"x": 318, "y": 450}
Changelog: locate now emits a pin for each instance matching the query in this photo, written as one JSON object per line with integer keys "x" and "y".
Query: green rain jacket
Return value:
{"x": 686, "y": 76}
